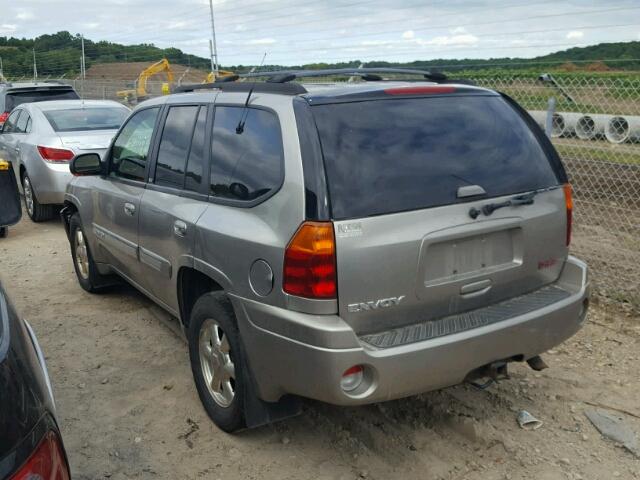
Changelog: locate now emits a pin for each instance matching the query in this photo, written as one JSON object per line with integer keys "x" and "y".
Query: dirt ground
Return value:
{"x": 128, "y": 407}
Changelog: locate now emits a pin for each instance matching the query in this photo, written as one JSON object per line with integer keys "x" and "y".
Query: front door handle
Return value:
{"x": 130, "y": 209}
{"x": 179, "y": 228}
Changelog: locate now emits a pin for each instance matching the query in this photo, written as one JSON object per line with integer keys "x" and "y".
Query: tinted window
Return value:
{"x": 18, "y": 98}
{"x": 245, "y": 165}
{"x": 196, "y": 155}
{"x": 393, "y": 155}
{"x": 21, "y": 126}
{"x": 88, "y": 118}
{"x": 10, "y": 124}
{"x": 174, "y": 146}
{"x": 131, "y": 147}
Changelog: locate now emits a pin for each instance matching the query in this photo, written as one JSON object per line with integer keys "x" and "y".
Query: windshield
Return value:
{"x": 18, "y": 98}
{"x": 87, "y": 118}
{"x": 385, "y": 156}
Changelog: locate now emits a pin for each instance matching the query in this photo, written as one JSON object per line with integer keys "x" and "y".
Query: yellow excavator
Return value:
{"x": 140, "y": 92}
{"x": 211, "y": 78}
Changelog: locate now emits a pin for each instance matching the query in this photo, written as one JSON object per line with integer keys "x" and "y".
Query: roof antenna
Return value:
{"x": 245, "y": 110}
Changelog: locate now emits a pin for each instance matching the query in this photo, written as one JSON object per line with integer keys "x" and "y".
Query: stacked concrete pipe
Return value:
{"x": 564, "y": 124}
{"x": 623, "y": 128}
{"x": 592, "y": 126}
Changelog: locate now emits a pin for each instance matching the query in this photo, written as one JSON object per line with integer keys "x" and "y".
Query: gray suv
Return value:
{"x": 351, "y": 243}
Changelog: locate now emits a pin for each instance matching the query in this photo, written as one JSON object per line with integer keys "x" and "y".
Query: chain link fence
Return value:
{"x": 596, "y": 130}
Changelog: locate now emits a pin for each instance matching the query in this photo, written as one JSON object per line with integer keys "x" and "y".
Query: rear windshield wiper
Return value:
{"x": 489, "y": 208}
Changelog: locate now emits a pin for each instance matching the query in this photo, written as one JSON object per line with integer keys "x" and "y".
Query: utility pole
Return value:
{"x": 82, "y": 64}
{"x": 212, "y": 43}
{"x": 35, "y": 68}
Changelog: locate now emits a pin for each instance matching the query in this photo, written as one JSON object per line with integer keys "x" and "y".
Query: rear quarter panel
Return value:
{"x": 230, "y": 239}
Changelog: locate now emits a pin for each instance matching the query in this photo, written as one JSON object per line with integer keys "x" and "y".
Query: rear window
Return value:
{"x": 87, "y": 118}
{"x": 388, "y": 156}
{"x": 14, "y": 99}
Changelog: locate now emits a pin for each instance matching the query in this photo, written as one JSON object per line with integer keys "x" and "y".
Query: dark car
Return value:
{"x": 30, "y": 443}
{"x": 14, "y": 94}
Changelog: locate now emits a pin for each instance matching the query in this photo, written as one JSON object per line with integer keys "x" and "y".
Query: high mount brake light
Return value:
{"x": 423, "y": 90}
{"x": 310, "y": 262}
{"x": 568, "y": 198}
{"x": 55, "y": 155}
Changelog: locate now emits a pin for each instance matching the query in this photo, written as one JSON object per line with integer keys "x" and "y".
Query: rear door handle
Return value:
{"x": 179, "y": 228}
{"x": 130, "y": 209}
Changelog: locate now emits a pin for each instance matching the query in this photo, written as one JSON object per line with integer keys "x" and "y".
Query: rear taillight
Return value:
{"x": 3, "y": 117}
{"x": 569, "y": 204}
{"x": 310, "y": 262}
{"x": 47, "y": 462}
{"x": 423, "y": 90}
{"x": 50, "y": 154}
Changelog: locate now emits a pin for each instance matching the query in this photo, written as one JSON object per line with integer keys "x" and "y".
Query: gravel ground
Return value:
{"x": 128, "y": 407}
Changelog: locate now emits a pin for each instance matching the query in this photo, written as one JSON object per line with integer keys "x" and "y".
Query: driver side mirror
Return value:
{"x": 86, "y": 164}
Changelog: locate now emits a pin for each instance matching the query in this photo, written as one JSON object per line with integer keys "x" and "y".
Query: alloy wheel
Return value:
{"x": 217, "y": 366}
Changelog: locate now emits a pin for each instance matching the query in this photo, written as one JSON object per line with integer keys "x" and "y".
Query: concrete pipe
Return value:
{"x": 564, "y": 124}
{"x": 620, "y": 129}
{"x": 540, "y": 117}
{"x": 592, "y": 126}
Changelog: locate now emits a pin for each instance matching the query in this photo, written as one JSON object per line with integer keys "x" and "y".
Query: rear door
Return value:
{"x": 174, "y": 200}
{"x": 404, "y": 175}
{"x": 116, "y": 200}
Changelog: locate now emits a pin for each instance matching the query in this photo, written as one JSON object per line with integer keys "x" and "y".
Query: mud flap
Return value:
{"x": 258, "y": 412}
{"x": 10, "y": 207}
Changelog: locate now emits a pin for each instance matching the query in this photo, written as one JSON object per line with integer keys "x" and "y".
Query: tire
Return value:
{"x": 4, "y": 231}
{"x": 213, "y": 318}
{"x": 88, "y": 276}
{"x": 36, "y": 211}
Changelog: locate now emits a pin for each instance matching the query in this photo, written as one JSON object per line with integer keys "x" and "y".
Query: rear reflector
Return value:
{"x": 51, "y": 154}
{"x": 568, "y": 198}
{"x": 47, "y": 462}
{"x": 424, "y": 90}
{"x": 310, "y": 262}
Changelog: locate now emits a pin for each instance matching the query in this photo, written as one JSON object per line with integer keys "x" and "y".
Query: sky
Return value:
{"x": 303, "y": 31}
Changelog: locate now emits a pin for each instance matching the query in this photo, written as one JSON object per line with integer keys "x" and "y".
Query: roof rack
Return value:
{"x": 258, "y": 87}
{"x": 285, "y": 76}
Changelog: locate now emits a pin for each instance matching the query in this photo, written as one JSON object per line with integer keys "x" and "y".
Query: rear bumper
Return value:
{"x": 294, "y": 353}
{"x": 49, "y": 181}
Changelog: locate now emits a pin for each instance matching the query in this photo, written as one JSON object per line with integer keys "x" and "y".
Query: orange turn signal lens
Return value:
{"x": 568, "y": 198}
{"x": 310, "y": 262}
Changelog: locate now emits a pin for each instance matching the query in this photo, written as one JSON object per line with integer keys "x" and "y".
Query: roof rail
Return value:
{"x": 284, "y": 76}
{"x": 258, "y": 87}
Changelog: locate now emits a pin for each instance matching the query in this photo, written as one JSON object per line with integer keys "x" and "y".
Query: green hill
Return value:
{"x": 59, "y": 54}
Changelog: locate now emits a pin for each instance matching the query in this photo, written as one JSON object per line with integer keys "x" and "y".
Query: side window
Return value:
{"x": 21, "y": 126}
{"x": 131, "y": 147}
{"x": 28, "y": 128}
{"x": 174, "y": 146}
{"x": 246, "y": 165}
{"x": 195, "y": 164}
{"x": 10, "y": 124}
